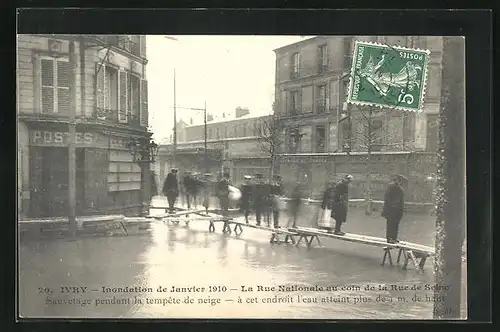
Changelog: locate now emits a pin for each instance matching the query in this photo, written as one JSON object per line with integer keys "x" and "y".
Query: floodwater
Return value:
{"x": 215, "y": 269}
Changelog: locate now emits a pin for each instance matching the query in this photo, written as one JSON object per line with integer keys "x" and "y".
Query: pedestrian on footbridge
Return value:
{"x": 340, "y": 203}
{"x": 276, "y": 192}
{"x": 325, "y": 211}
{"x": 246, "y": 196}
{"x": 260, "y": 197}
{"x": 393, "y": 207}
{"x": 187, "y": 184}
{"x": 295, "y": 203}
{"x": 171, "y": 189}
{"x": 222, "y": 192}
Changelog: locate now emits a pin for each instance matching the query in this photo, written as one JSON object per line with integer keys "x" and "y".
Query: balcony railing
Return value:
{"x": 116, "y": 116}
{"x": 123, "y": 42}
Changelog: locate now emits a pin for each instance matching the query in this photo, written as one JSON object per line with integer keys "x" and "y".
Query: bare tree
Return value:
{"x": 269, "y": 132}
{"x": 370, "y": 136}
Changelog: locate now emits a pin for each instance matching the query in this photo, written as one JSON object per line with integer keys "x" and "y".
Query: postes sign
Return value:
{"x": 56, "y": 138}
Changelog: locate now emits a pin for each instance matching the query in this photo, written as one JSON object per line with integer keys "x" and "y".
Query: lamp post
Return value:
{"x": 175, "y": 111}
{"x": 144, "y": 154}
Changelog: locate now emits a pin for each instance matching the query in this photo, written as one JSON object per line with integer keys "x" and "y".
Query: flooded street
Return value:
{"x": 215, "y": 266}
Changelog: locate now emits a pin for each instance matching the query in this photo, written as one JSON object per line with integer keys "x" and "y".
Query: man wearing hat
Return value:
{"x": 207, "y": 190}
{"x": 222, "y": 190}
{"x": 246, "y": 196}
{"x": 259, "y": 198}
{"x": 393, "y": 207}
{"x": 171, "y": 189}
{"x": 340, "y": 203}
{"x": 187, "y": 182}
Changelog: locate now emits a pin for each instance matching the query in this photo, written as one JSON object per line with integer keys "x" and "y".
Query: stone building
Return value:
{"x": 111, "y": 109}
{"x": 311, "y": 86}
{"x": 232, "y": 142}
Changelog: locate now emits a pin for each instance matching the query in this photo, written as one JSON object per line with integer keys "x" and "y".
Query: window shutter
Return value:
{"x": 328, "y": 92}
{"x": 48, "y": 85}
{"x": 106, "y": 90}
{"x": 100, "y": 90}
{"x": 122, "y": 90}
{"x": 144, "y": 103}
{"x": 142, "y": 41}
{"x": 129, "y": 94}
{"x": 334, "y": 95}
{"x": 63, "y": 94}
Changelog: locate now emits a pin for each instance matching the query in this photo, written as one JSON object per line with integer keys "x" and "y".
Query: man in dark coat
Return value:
{"x": 246, "y": 196}
{"x": 207, "y": 190}
{"x": 340, "y": 203}
{"x": 222, "y": 190}
{"x": 276, "y": 192}
{"x": 187, "y": 182}
{"x": 259, "y": 197}
{"x": 196, "y": 188}
{"x": 171, "y": 189}
{"x": 393, "y": 208}
{"x": 295, "y": 202}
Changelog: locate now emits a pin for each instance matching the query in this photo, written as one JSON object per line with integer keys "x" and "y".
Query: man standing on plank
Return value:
{"x": 171, "y": 189}
{"x": 393, "y": 207}
{"x": 246, "y": 196}
{"x": 340, "y": 203}
{"x": 222, "y": 190}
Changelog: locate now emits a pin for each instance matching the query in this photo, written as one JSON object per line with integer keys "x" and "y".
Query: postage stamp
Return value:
{"x": 388, "y": 76}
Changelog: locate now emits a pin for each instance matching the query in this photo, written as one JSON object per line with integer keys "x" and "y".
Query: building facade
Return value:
{"x": 111, "y": 109}
{"x": 233, "y": 145}
{"x": 312, "y": 78}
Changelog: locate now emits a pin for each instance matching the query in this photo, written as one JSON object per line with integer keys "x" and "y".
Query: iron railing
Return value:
{"x": 116, "y": 116}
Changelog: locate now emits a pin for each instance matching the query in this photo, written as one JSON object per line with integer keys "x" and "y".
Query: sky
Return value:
{"x": 223, "y": 71}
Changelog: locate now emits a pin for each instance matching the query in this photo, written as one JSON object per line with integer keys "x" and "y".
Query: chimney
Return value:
{"x": 241, "y": 112}
{"x": 190, "y": 120}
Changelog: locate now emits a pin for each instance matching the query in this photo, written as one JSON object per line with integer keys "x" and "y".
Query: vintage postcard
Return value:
{"x": 253, "y": 177}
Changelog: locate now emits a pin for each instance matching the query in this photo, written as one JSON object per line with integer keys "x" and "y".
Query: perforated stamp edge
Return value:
{"x": 395, "y": 47}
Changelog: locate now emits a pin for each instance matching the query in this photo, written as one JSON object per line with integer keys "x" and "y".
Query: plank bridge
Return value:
{"x": 406, "y": 251}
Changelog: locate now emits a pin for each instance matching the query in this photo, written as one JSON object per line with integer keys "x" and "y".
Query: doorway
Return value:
{"x": 49, "y": 181}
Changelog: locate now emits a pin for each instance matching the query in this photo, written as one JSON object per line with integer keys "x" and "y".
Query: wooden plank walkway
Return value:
{"x": 417, "y": 253}
{"x": 407, "y": 251}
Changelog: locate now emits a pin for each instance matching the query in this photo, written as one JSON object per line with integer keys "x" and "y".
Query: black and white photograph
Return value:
{"x": 200, "y": 176}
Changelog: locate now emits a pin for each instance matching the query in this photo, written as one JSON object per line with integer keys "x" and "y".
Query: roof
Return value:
{"x": 296, "y": 43}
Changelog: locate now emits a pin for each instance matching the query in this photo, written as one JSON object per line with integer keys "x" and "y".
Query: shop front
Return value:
{"x": 107, "y": 178}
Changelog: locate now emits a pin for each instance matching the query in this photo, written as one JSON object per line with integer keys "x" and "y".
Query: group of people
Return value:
{"x": 193, "y": 185}
{"x": 266, "y": 198}
{"x": 263, "y": 197}
{"x": 336, "y": 201}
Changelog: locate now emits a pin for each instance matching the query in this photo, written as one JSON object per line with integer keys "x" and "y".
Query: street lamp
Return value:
{"x": 146, "y": 151}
